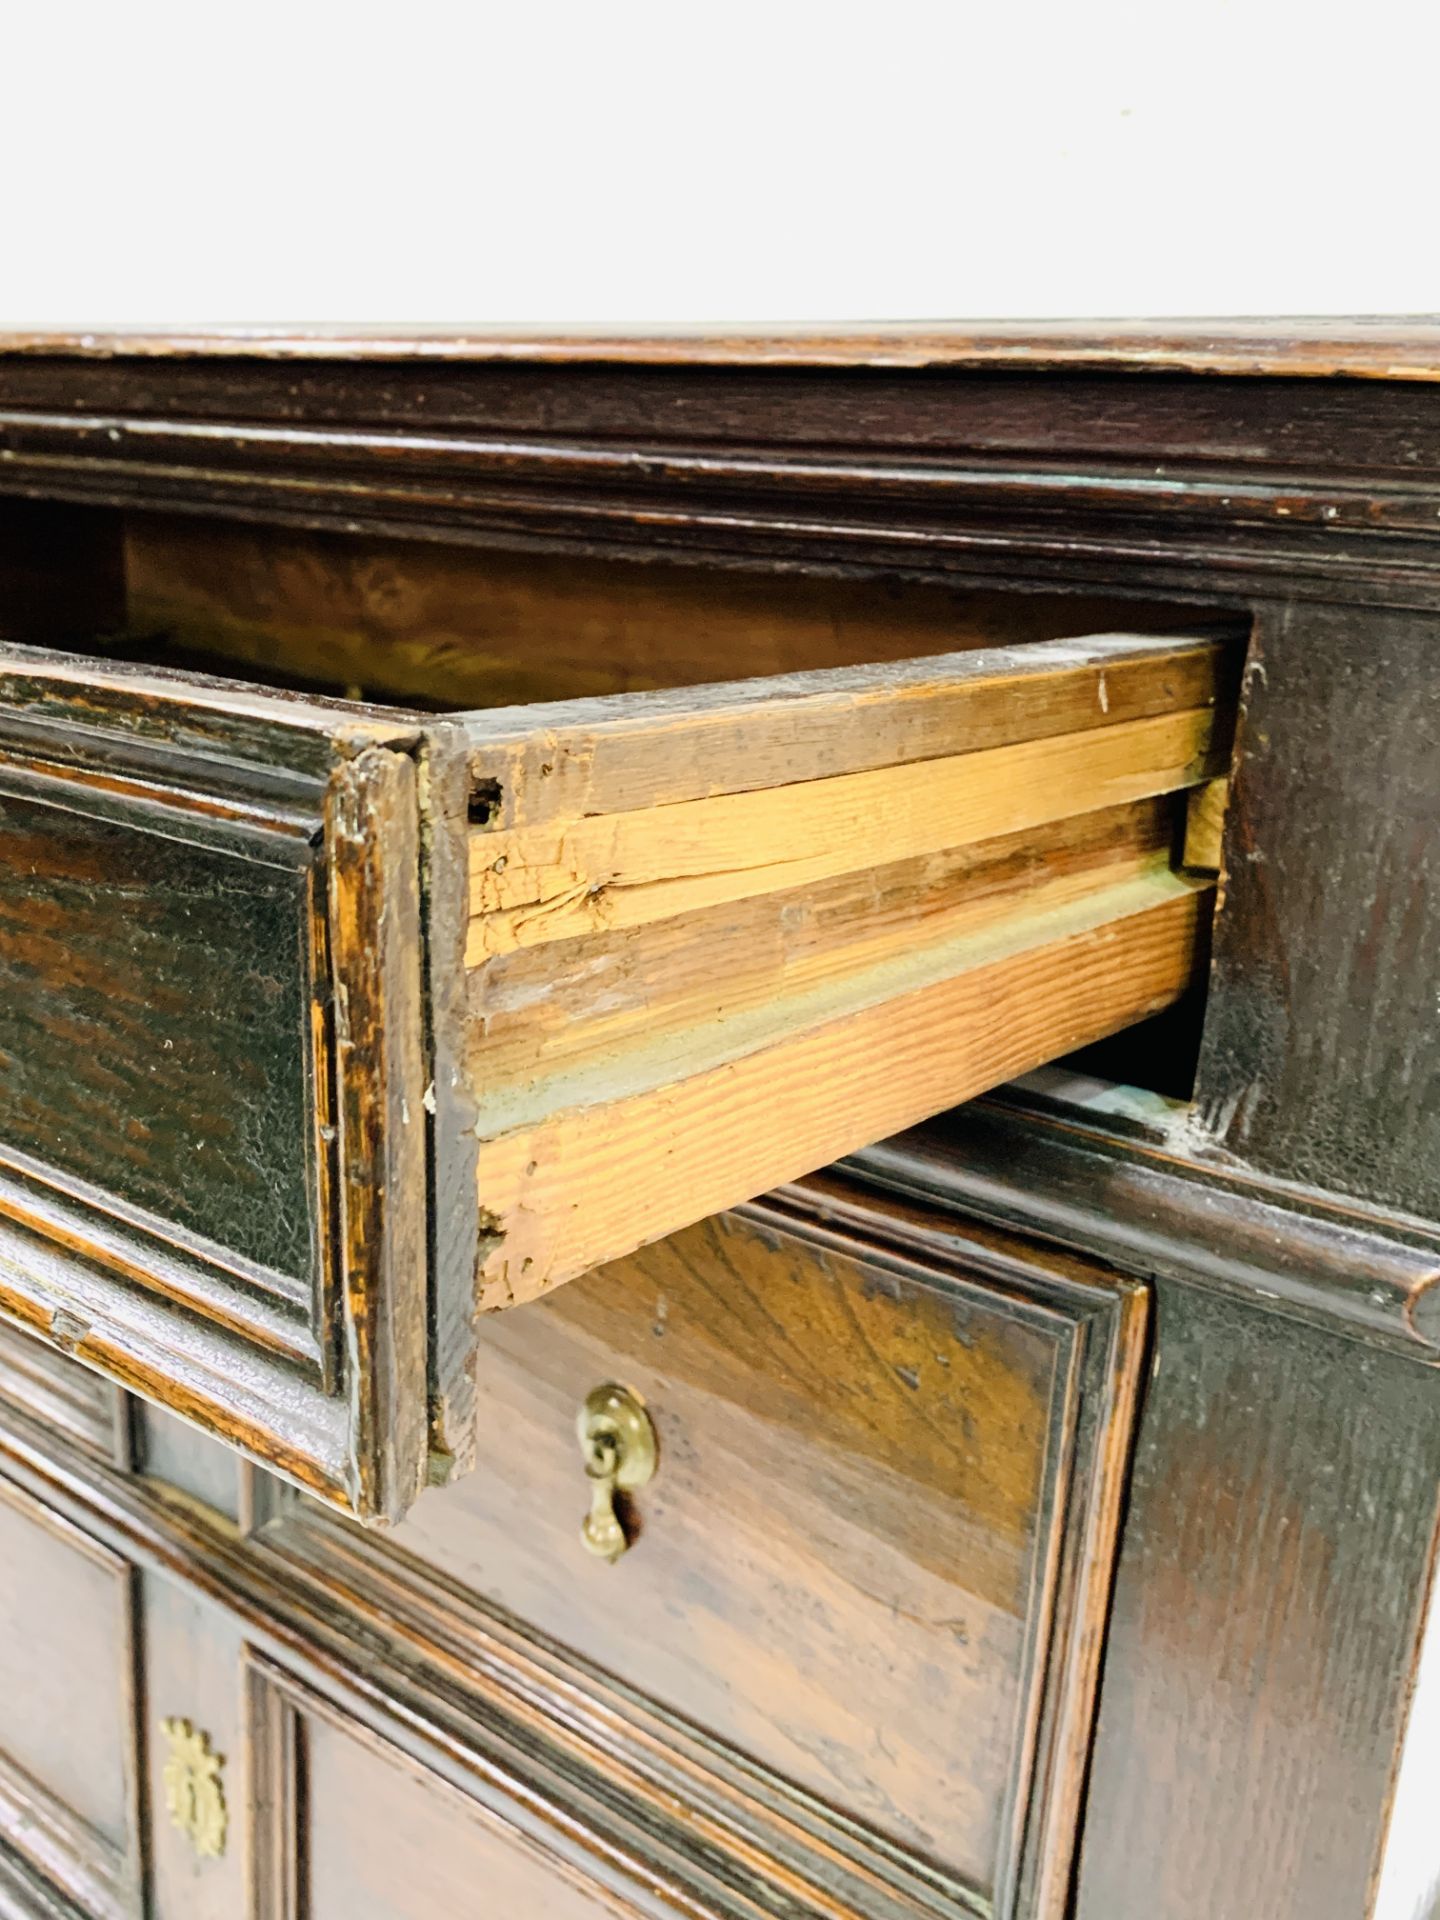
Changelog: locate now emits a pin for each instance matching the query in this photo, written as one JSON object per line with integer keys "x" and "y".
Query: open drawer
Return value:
{"x": 324, "y": 1021}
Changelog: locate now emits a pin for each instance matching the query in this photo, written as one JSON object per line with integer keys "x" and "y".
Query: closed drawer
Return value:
{"x": 73, "y": 1403}
{"x": 324, "y": 1021}
{"x": 857, "y": 1627}
{"x": 69, "y": 1765}
{"x": 375, "y": 1831}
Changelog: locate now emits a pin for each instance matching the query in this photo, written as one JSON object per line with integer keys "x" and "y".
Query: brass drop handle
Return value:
{"x": 618, "y": 1445}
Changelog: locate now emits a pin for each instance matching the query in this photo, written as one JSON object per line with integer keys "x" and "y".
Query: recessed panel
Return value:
{"x": 155, "y": 1023}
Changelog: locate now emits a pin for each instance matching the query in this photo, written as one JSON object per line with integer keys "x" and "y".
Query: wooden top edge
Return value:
{"x": 1380, "y": 348}
{"x": 812, "y": 687}
{"x": 87, "y": 679}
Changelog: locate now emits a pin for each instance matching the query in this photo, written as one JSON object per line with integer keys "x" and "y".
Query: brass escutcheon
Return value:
{"x": 193, "y": 1793}
{"x": 617, "y": 1442}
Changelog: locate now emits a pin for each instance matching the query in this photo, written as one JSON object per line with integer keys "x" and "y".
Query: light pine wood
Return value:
{"x": 1205, "y": 825}
{"x": 599, "y": 1178}
{"x": 583, "y": 757}
{"x": 822, "y": 909}
{"x": 625, "y": 870}
{"x": 444, "y": 626}
{"x": 533, "y": 1012}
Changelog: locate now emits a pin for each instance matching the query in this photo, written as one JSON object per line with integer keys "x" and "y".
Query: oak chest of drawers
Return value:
{"x": 718, "y": 1118}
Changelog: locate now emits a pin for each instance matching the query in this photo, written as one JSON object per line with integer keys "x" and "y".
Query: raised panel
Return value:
{"x": 157, "y": 1013}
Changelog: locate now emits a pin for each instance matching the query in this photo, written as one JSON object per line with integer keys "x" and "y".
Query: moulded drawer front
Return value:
{"x": 209, "y": 958}
{"x": 874, "y": 1555}
{"x": 69, "y": 1794}
{"x": 324, "y": 1023}
{"x": 378, "y": 1831}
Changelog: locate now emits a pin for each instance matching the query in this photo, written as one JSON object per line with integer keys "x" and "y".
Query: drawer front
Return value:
{"x": 157, "y": 995}
{"x": 377, "y": 1832}
{"x": 68, "y": 1747}
{"x": 71, "y": 1402}
{"x": 875, "y": 1554}
{"x": 212, "y": 1177}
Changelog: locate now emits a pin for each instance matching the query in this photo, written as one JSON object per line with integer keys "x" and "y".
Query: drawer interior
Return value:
{"x": 439, "y": 628}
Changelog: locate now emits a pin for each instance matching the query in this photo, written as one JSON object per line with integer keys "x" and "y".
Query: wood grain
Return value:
{"x": 443, "y": 626}
{"x": 381, "y": 1198}
{"x": 1096, "y": 1177}
{"x": 1282, "y": 1519}
{"x": 603, "y": 873}
{"x": 153, "y": 1017}
{"x": 578, "y": 758}
{"x": 725, "y": 987}
{"x": 862, "y": 1499}
{"x": 1043, "y": 478}
{"x": 601, "y": 1176}
{"x": 1205, "y": 826}
{"x": 533, "y": 1012}
{"x": 212, "y": 1182}
{"x": 1258, "y": 1669}
{"x": 1363, "y": 347}
{"x": 1322, "y": 1049}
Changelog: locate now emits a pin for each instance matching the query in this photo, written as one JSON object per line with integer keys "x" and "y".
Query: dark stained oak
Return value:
{"x": 153, "y": 1019}
{"x": 1382, "y": 349}
{"x": 1269, "y": 1603}
{"x": 210, "y": 1183}
{"x": 1320, "y": 1060}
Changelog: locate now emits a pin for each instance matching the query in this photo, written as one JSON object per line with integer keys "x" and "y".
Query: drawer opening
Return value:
{"x": 449, "y": 627}
{"x": 1157, "y": 1056}
{"x": 708, "y": 949}
{"x": 1148, "y": 1070}
{"x": 442, "y": 628}
{"x": 574, "y": 901}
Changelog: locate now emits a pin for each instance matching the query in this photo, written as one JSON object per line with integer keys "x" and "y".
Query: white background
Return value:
{"x": 532, "y": 163}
